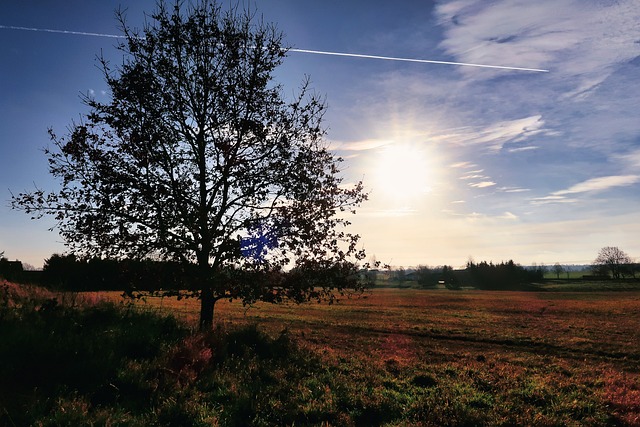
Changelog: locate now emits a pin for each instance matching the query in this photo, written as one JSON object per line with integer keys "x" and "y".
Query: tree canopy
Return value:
{"x": 198, "y": 157}
{"x": 611, "y": 260}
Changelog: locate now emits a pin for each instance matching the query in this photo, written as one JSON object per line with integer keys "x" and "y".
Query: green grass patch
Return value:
{"x": 591, "y": 286}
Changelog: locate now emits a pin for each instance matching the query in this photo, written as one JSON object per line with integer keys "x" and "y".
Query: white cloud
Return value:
{"x": 583, "y": 40}
{"x": 508, "y": 215}
{"x": 600, "y": 184}
{"x": 473, "y": 177}
{"x": 497, "y": 32}
{"x": 476, "y": 216}
{"x": 590, "y": 185}
{"x": 631, "y": 159}
{"x": 464, "y": 165}
{"x": 495, "y": 135}
{"x": 482, "y": 184}
{"x": 520, "y": 149}
{"x": 514, "y": 189}
{"x": 552, "y": 199}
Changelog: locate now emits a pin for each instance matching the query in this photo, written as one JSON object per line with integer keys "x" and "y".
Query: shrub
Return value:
{"x": 50, "y": 351}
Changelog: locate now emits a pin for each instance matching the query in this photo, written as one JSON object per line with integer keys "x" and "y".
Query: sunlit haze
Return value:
{"x": 401, "y": 174}
{"x": 460, "y": 161}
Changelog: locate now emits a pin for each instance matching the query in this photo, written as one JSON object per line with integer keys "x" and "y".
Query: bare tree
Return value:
{"x": 612, "y": 261}
{"x": 198, "y": 157}
{"x": 558, "y": 269}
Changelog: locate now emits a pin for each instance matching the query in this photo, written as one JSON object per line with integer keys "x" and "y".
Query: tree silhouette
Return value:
{"x": 558, "y": 269}
{"x": 199, "y": 158}
{"x": 611, "y": 260}
{"x": 503, "y": 276}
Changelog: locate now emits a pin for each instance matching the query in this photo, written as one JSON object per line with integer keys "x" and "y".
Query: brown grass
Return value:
{"x": 533, "y": 345}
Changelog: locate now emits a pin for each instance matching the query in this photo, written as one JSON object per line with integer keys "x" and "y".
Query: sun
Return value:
{"x": 402, "y": 173}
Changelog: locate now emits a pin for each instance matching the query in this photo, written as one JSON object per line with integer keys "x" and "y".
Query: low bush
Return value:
{"x": 58, "y": 355}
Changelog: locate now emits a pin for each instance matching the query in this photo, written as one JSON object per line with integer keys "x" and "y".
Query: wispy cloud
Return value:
{"x": 513, "y": 189}
{"x": 476, "y": 216}
{"x": 508, "y": 215}
{"x": 482, "y": 184}
{"x": 631, "y": 159}
{"x": 495, "y": 135}
{"x": 591, "y": 185}
{"x": 600, "y": 184}
{"x": 464, "y": 165}
{"x": 473, "y": 177}
{"x": 580, "y": 39}
{"x": 552, "y": 199}
{"x": 520, "y": 149}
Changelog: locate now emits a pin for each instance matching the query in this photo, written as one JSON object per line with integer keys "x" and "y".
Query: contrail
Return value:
{"x": 314, "y": 52}
{"x": 47, "y": 30}
{"x": 424, "y": 61}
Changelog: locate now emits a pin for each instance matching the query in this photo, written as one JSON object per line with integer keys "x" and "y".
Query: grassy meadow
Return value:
{"x": 394, "y": 357}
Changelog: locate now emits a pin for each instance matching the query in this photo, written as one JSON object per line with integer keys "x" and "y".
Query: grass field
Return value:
{"x": 394, "y": 357}
{"x": 545, "y": 358}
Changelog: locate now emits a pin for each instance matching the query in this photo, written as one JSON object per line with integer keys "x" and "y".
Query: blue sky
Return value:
{"x": 461, "y": 161}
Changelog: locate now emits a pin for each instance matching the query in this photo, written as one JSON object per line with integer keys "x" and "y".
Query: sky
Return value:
{"x": 461, "y": 162}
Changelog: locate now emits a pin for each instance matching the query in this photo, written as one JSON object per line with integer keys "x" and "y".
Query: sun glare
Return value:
{"x": 402, "y": 173}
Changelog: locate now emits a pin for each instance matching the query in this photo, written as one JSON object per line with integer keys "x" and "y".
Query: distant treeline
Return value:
{"x": 426, "y": 277}
{"x": 483, "y": 275}
{"x": 70, "y": 273}
{"x": 503, "y": 276}
{"x": 67, "y": 272}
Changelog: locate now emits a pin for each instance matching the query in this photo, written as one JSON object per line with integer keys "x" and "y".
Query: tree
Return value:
{"x": 428, "y": 277}
{"x": 612, "y": 261}
{"x": 199, "y": 158}
{"x": 10, "y": 270}
{"x": 501, "y": 276}
{"x": 558, "y": 269}
{"x": 449, "y": 277}
{"x": 399, "y": 275}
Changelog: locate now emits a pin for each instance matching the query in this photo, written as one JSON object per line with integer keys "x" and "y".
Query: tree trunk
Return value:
{"x": 207, "y": 305}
